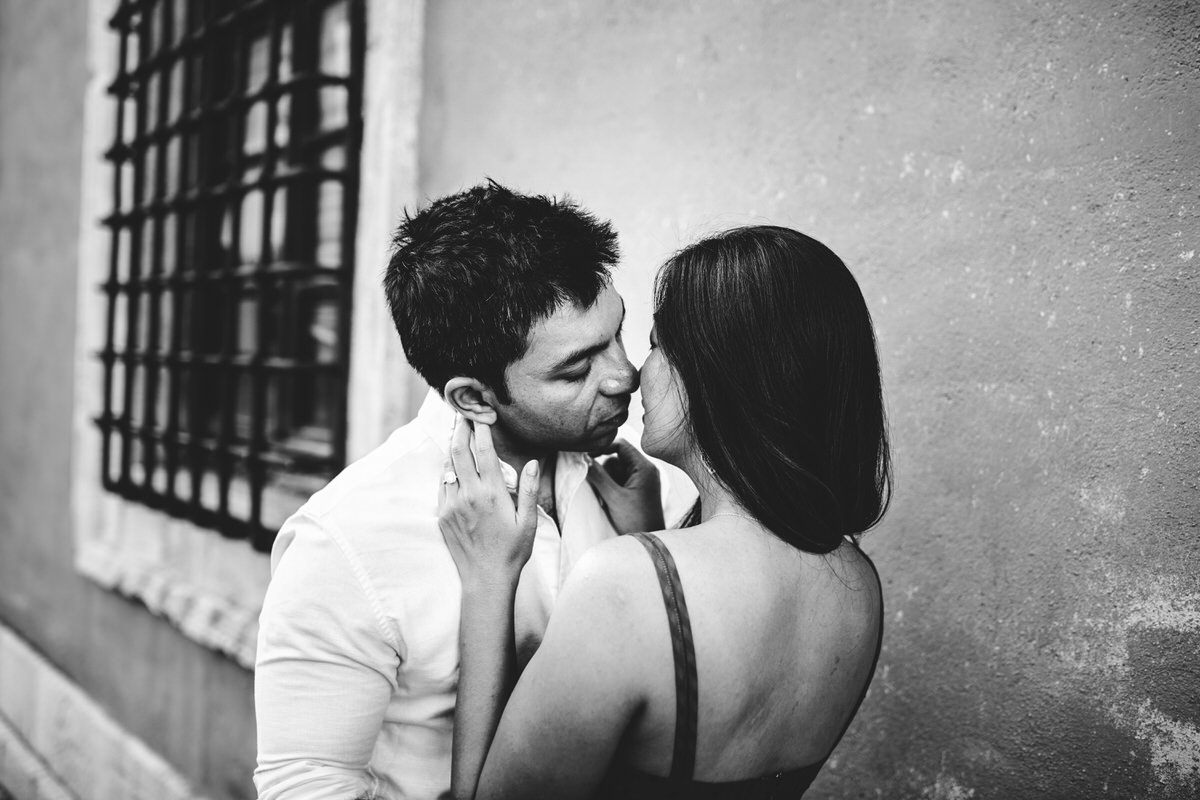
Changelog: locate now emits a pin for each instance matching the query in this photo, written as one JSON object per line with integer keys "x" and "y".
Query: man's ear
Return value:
{"x": 471, "y": 398}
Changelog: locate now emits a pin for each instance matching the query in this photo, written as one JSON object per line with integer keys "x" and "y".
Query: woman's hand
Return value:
{"x": 489, "y": 539}
{"x": 629, "y": 488}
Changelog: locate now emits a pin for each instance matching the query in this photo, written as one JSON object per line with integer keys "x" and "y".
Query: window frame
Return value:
{"x": 208, "y": 586}
{"x": 218, "y": 250}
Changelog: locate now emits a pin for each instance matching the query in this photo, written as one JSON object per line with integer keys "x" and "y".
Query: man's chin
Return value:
{"x": 606, "y": 432}
{"x": 599, "y": 439}
{"x": 603, "y": 441}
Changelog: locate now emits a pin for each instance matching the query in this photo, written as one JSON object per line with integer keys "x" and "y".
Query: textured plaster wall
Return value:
{"x": 189, "y": 704}
{"x": 1017, "y": 187}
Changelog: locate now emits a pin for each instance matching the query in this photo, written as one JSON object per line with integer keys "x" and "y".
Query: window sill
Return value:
{"x": 209, "y": 587}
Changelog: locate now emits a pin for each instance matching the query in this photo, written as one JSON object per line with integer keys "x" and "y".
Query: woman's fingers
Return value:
{"x": 449, "y": 476}
{"x": 487, "y": 532}
{"x": 462, "y": 462}
{"x": 602, "y": 480}
{"x": 485, "y": 455}
{"x": 527, "y": 494}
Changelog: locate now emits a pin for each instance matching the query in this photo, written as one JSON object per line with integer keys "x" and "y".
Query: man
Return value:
{"x": 505, "y": 306}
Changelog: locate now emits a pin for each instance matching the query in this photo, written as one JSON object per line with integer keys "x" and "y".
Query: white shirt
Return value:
{"x": 357, "y": 663}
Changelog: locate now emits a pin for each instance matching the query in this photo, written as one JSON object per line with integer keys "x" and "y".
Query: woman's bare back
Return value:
{"x": 785, "y": 645}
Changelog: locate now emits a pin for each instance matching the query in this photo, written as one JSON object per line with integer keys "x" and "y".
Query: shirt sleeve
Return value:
{"x": 325, "y": 671}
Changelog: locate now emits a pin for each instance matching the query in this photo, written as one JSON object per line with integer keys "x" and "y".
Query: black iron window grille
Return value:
{"x": 235, "y": 179}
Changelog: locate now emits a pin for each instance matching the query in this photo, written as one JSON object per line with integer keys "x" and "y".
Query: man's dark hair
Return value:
{"x": 473, "y": 272}
{"x": 771, "y": 339}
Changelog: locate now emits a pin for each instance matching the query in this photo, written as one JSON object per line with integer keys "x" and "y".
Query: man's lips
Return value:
{"x": 616, "y": 420}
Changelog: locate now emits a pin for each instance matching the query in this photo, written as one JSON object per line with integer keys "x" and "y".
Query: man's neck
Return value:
{"x": 518, "y": 454}
{"x": 517, "y": 457}
{"x": 515, "y": 454}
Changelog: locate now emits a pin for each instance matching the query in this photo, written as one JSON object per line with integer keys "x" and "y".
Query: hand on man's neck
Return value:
{"x": 517, "y": 454}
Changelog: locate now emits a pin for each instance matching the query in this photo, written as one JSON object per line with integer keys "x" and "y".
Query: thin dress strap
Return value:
{"x": 683, "y": 760}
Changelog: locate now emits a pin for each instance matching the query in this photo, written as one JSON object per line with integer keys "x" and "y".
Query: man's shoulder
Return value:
{"x": 393, "y": 485}
{"x": 378, "y": 518}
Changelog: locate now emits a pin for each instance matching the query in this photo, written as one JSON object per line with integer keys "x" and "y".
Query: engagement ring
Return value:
{"x": 449, "y": 478}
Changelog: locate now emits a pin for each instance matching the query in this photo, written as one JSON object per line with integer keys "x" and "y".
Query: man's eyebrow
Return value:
{"x": 581, "y": 353}
{"x": 576, "y": 356}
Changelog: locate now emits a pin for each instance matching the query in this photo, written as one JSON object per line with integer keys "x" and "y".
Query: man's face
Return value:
{"x": 571, "y": 388}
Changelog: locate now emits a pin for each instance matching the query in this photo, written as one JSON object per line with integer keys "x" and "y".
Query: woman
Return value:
{"x": 727, "y": 657}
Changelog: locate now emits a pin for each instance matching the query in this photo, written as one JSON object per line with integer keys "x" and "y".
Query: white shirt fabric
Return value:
{"x": 357, "y": 662}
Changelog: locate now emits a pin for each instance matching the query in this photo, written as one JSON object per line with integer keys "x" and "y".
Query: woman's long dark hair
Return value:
{"x": 771, "y": 339}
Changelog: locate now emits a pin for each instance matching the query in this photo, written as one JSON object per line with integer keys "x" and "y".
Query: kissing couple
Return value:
{"x": 492, "y": 604}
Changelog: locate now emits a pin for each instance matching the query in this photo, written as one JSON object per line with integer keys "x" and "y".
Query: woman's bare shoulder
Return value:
{"x": 610, "y": 575}
{"x": 610, "y": 615}
{"x": 859, "y": 571}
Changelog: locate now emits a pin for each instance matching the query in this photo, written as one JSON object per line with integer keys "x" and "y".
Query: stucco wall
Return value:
{"x": 191, "y": 705}
{"x": 1015, "y": 185}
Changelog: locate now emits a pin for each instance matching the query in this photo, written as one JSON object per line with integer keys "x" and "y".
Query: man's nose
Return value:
{"x": 623, "y": 380}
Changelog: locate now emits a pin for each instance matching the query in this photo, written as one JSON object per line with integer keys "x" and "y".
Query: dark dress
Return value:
{"x": 627, "y": 783}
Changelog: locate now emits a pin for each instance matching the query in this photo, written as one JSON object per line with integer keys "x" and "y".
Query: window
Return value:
{"x": 235, "y": 175}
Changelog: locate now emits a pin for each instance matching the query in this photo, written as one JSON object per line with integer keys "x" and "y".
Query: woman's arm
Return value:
{"x": 582, "y": 688}
{"x": 487, "y": 668}
{"x": 490, "y": 542}
{"x": 586, "y": 684}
